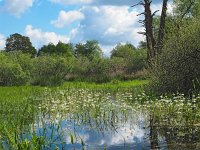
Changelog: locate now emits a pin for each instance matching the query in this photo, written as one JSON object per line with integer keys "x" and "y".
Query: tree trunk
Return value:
{"x": 154, "y": 47}
{"x": 149, "y": 31}
{"x": 162, "y": 27}
{"x": 153, "y": 135}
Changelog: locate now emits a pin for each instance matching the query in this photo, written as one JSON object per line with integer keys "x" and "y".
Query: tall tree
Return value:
{"x": 154, "y": 46}
{"x": 17, "y": 42}
{"x": 160, "y": 39}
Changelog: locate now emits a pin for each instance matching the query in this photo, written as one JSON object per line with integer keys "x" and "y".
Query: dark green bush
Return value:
{"x": 95, "y": 70}
{"x": 178, "y": 68}
{"x": 134, "y": 59}
{"x": 98, "y": 71}
{"x": 11, "y": 73}
{"x": 51, "y": 70}
{"x": 25, "y": 61}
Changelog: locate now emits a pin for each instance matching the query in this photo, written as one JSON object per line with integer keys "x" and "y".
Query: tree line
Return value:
{"x": 169, "y": 57}
{"x": 53, "y": 64}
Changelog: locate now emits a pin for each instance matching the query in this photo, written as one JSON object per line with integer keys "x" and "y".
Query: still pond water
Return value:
{"x": 97, "y": 120}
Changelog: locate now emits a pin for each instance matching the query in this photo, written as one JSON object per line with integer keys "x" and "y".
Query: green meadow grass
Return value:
{"x": 113, "y": 85}
{"x": 18, "y": 93}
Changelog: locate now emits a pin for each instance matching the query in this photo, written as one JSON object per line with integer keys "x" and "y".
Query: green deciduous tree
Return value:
{"x": 47, "y": 49}
{"x": 133, "y": 58}
{"x": 17, "y": 42}
{"x": 59, "y": 49}
{"x": 124, "y": 51}
{"x": 90, "y": 50}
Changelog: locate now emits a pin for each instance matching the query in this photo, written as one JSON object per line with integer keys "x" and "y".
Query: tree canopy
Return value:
{"x": 59, "y": 49}
{"x": 17, "y": 42}
{"x": 187, "y": 8}
{"x": 124, "y": 51}
{"x": 90, "y": 49}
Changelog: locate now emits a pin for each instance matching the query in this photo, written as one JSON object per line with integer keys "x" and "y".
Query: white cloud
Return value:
{"x": 100, "y": 2}
{"x": 2, "y": 42}
{"x": 108, "y": 24}
{"x": 17, "y": 7}
{"x": 107, "y": 49}
{"x": 111, "y": 24}
{"x": 66, "y": 18}
{"x": 39, "y": 37}
{"x": 71, "y": 2}
{"x": 127, "y": 134}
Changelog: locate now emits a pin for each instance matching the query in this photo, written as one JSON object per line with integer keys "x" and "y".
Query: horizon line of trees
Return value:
{"x": 55, "y": 64}
{"x": 18, "y": 42}
{"x": 170, "y": 56}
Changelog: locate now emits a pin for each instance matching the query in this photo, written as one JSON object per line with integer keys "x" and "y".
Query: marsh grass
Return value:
{"x": 32, "y": 117}
{"x": 111, "y": 86}
{"x": 176, "y": 118}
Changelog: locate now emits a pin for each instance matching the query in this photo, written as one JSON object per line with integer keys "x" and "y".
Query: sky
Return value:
{"x": 73, "y": 21}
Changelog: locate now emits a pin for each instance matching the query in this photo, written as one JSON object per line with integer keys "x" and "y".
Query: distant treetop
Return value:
{"x": 17, "y": 42}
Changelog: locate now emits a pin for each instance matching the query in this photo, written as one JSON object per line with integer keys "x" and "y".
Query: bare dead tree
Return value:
{"x": 153, "y": 46}
{"x": 159, "y": 43}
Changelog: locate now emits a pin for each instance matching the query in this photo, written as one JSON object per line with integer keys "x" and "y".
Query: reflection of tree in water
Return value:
{"x": 153, "y": 131}
{"x": 183, "y": 136}
{"x": 177, "y": 135}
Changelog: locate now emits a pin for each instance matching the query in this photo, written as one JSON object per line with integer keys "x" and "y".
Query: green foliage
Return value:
{"x": 177, "y": 69}
{"x": 80, "y": 68}
{"x": 187, "y": 8}
{"x": 64, "y": 49}
{"x": 133, "y": 58}
{"x": 25, "y": 61}
{"x": 90, "y": 49}
{"x": 47, "y": 49}
{"x": 124, "y": 51}
{"x": 98, "y": 71}
{"x": 116, "y": 67}
{"x": 57, "y": 63}
{"x": 51, "y": 70}
{"x": 17, "y": 42}
{"x": 95, "y": 70}
{"x": 92, "y": 67}
{"x": 59, "y": 49}
{"x": 142, "y": 45}
{"x": 11, "y": 73}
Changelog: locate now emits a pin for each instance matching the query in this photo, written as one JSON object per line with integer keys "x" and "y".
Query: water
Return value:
{"x": 96, "y": 120}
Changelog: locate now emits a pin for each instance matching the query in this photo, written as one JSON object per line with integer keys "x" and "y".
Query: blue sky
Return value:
{"x": 43, "y": 21}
